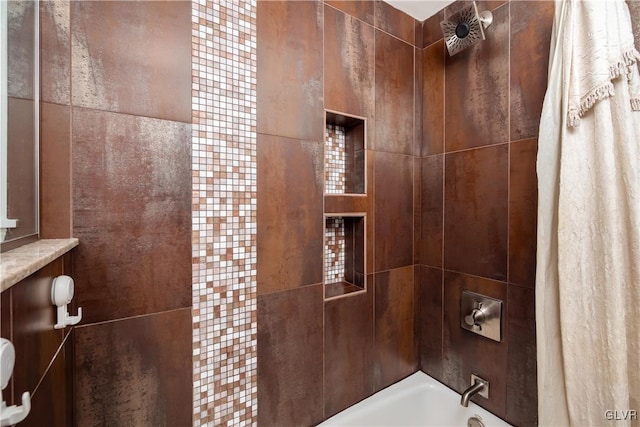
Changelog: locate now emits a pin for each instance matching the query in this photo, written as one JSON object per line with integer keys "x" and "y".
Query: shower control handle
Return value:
{"x": 476, "y": 318}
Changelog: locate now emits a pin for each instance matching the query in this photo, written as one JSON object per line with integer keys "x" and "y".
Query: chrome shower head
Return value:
{"x": 465, "y": 28}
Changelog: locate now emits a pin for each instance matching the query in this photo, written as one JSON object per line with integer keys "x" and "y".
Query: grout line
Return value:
{"x": 132, "y": 317}
{"x": 53, "y": 359}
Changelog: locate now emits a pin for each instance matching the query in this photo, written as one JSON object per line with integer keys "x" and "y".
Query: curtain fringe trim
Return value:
{"x": 624, "y": 66}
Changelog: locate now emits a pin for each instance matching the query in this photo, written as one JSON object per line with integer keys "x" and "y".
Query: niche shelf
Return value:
{"x": 344, "y": 254}
{"x": 344, "y": 155}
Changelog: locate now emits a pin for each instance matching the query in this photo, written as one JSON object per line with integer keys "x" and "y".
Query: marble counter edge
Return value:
{"x": 21, "y": 262}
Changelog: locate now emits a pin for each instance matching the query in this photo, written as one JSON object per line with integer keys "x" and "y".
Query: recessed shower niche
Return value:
{"x": 344, "y": 154}
{"x": 344, "y": 254}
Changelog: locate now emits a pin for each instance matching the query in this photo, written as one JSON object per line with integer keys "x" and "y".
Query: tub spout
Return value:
{"x": 476, "y": 388}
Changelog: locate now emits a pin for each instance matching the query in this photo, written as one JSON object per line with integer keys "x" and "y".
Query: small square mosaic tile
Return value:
{"x": 224, "y": 212}
{"x": 334, "y": 250}
{"x": 335, "y": 160}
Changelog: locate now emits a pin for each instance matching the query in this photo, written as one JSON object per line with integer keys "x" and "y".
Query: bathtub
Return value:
{"x": 418, "y": 400}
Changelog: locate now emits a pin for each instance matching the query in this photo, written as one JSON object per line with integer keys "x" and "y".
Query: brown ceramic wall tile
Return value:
{"x": 523, "y": 202}
{"x": 290, "y": 221}
{"x": 531, "y": 23}
{"x": 132, "y": 214}
{"x": 21, "y": 167}
{"x": 430, "y": 313}
{"x": 522, "y": 387}
{"x": 395, "y": 353}
{"x": 431, "y": 31}
{"x": 475, "y": 219}
{"x": 634, "y": 10}
{"x": 418, "y": 35}
{"x": 417, "y": 209}
{"x": 290, "y": 357}
{"x": 361, "y": 9}
{"x": 418, "y": 110}
{"x": 465, "y": 352}
{"x": 348, "y": 351}
{"x": 55, "y": 171}
{"x": 6, "y": 332}
{"x": 431, "y": 209}
{"x": 349, "y": 64}
{"x": 51, "y": 404}
{"x": 135, "y": 371}
{"x": 132, "y": 57}
{"x": 433, "y": 99}
{"x": 477, "y": 89}
{"x": 20, "y": 46}
{"x": 34, "y": 338}
{"x": 393, "y": 211}
{"x": 289, "y": 89}
{"x": 55, "y": 52}
{"x": 395, "y": 22}
{"x": 394, "y": 95}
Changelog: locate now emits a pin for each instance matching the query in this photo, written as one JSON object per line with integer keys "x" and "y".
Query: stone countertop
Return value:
{"x": 21, "y": 262}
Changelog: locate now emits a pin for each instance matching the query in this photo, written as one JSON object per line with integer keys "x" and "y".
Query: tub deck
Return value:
{"x": 418, "y": 400}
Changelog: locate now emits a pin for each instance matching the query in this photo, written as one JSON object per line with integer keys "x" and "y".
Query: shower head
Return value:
{"x": 465, "y": 28}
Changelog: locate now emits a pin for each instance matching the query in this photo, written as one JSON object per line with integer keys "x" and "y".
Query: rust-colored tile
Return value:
{"x": 6, "y": 332}
{"x": 20, "y": 46}
{"x": 393, "y": 211}
{"x": 482, "y": 5}
{"x": 522, "y": 386}
{"x": 431, "y": 203}
{"x": 348, "y": 351}
{"x": 394, "y": 95}
{"x": 531, "y": 24}
{"x": 132, "y": 214}
{"x": 429, "y": 305}
{"x": 52, "y": 402}
{"x": 55, "y": 52}
{"x": 290, "y": 221}
{"x": 361, "y": 9}
{"x": 395, "y": 352}
{"x": 394, "y": 21}
{"x": 417, "y": 209}
{"x": 634, "y": 10}
{"x": 465, "y": 352}
{"x": 290, "y": 357}
{"x": 433, "y": 99}
{"x": 34, "y": 338}
{"x": 475, "y": 219}
{"x": 523, "y": 202}
{"x": 418, "y": 34}
{"x": 21, "y": 167}
{"x": 431, "y": 31}
{"x": 289, "y": 87}
{"x": 132, "y": 57}
{"x": 135, "y": 371}
{"x": 477, "y": 90}
{"x": 349, "y": 64}
{"x": 418, "y": 110}
{"x": 55, "y": 171}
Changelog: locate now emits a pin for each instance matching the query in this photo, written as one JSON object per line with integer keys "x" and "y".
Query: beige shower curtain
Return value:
{"x": 588, "y": 273}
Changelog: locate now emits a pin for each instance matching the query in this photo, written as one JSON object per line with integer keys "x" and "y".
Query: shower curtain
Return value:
{"x": 588, "y": 254}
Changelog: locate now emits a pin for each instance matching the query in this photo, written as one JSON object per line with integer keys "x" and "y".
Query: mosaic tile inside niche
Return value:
{"x": 224, "y": 212}
{"x": 335, "y": 159}
{"x": 334, "y": 250}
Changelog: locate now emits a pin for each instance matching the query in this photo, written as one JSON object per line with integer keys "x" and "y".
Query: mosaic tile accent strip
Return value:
{"x": 335, "y": 160}
{"x": 224, "y": 226}
{"x": 334, "y": 250}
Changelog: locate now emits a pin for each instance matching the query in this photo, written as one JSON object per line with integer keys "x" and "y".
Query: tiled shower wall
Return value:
{"x": 224, "y": 212}
{"x": 480, "y": 128}
{"x": 315, "y": 358}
